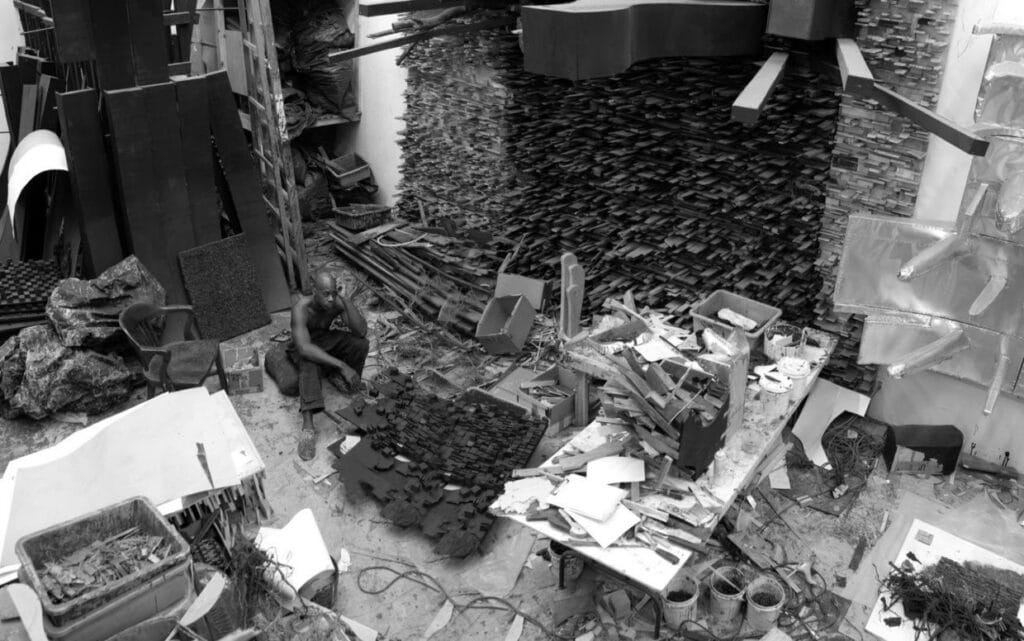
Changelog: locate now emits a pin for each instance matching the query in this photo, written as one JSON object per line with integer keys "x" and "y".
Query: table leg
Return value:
{"x": 561, "y": 572}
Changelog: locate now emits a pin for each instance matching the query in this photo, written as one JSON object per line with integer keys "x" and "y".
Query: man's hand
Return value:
{"x": 350, "y": 377}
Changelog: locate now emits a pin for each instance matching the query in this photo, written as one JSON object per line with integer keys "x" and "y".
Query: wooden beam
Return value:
{"x": 179, "y": 17}
{"x": 930, "y": 121}
{"x": 856, "y": 75}
{"x": 349, "y": 54}
{"x": 386, "y": 7}
{"x": 748, "y": 105}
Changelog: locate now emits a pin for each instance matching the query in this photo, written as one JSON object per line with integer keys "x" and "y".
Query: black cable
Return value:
{"x": 419, "y": 577}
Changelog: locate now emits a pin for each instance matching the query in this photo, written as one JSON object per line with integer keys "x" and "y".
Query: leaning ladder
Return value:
{"x": 270, "y": 133}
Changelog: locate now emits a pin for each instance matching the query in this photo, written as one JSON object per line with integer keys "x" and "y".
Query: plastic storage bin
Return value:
{"x": 704, "y": 314}
{"x": 167, "y": 580}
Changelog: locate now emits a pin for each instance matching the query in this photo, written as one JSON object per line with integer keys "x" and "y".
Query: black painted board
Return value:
{"x": 112, "y": 37}
{"x": 137, "y": 184}
{"x": 223, "y": 289}
{"x": 245, "y": 191}
{"x": 89, "y": 165}
{"x": 168, "y": 167}
{"x": 71, "y": 25}
{"x": 49, "y": 87}
{"x": 148, "y": 41}
{"x": 197, "y": 156}
{"x": 10, "y": 96}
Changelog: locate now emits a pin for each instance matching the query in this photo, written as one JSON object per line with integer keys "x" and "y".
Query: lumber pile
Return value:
{"x": 436, "y": 276}
{"x": 643, "y": 175}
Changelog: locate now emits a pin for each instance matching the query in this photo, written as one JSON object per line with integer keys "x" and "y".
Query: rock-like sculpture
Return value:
{"x": 84, "y": 312}
{"x": 39, "y": 376}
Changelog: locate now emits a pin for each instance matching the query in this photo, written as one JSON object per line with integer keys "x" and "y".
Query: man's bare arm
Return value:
{"x": 354, "y": 319}
{"x": 305, "y": 346}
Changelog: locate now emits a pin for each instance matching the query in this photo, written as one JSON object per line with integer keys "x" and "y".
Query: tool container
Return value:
{"x": 705, "y": 314}
{"x": 139, "y": 595}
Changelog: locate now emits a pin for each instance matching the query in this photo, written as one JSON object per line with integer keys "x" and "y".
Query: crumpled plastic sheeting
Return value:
{"x": 886, "y": 339}
{"x": 876, "y": 247}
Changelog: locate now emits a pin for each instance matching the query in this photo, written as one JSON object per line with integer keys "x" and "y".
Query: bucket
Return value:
{"x": 573, "y": 563}
{"x": 783, "y": 339}
{"x": 765, "y": 598}
{"x": 774, "y": 396}
{"x": 797, "y": 370}
{"x": 680, "y": 602}
{"x": 727, "y": 587}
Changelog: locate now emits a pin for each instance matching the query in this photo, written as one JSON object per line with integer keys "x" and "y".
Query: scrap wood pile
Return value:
{"x": 643, "y": 176}
{"x": 103, "y": 562}
{"x": 423, "y": 270}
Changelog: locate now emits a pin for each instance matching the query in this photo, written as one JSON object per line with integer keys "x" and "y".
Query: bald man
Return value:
{"x": 319, "y": 346}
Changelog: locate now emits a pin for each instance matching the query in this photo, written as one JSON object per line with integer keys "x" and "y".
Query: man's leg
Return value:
{"x": 346, "y": 347}
{"x": 311, "y": 400}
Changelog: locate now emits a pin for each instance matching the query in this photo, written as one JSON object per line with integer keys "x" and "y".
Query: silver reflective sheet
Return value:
{"x": 886, "y": 339}
{"x": 876, "y": 247}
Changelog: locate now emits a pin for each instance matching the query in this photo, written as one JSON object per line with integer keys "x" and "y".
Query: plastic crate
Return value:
{"x": 58, "y": 541}
{"x": 165, "y": 596}
{"x": 704, "y": 314}
{"x": 361, "y": 217}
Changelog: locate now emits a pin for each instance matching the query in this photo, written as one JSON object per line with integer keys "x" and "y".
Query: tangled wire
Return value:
{"x": 949, "y": 598}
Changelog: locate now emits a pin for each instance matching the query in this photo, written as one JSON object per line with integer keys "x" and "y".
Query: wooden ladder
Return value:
{"x": 270, "y": 135}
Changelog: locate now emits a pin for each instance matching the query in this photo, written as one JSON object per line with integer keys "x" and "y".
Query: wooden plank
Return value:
{"x": 82, "y": 135}
{"x": 179, "y": 68}
{"x": 145, "y": 232}
{"x": 856, "y": 74}
{"x": 244, "y": 190}
{"x": 371, "y": 8}
{"x": 748, "y": 105}
{"x": 148, "y": 41}
{"x": 356, "y": 52}
{"x": 930, "y": 121}
{"x": 165, "y": 126}
{"x": 197, "y": 156}
{"x": 72, "y": 22}
{"x": 112, "y": 40}
{"x": 177, "y": 17}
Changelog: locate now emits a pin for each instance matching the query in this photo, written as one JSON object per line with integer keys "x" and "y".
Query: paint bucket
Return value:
{"x": 727, "y": 586}
{"x": 774, "y": 395}
{"x": 765, "y": 598}
{"x": 797, "y": 370}
{"x": 783, "y": 339}
{"x": 680, "y": 601}
{"x": 573, "y": 563}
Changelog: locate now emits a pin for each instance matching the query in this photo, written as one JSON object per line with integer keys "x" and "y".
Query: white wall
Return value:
{"x": 10, "y": 40}
{"x": 381, "y": 89}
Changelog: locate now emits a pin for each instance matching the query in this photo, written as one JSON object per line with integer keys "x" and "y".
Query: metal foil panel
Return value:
{"x": 877, "y": 247}
{"x": 886, "y": 339}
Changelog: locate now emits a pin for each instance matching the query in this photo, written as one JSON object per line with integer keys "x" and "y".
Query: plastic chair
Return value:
{"x": 167, "y": 342}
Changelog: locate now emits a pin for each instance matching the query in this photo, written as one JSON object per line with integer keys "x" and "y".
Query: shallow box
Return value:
{"x": 704, "y": 315}
{"x": 559, "y": 413}
{"x": 508, "y": 317}
{"x": 242, "y": 369}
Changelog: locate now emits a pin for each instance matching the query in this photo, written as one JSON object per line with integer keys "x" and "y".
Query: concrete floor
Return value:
{"x": 509, "y": 565}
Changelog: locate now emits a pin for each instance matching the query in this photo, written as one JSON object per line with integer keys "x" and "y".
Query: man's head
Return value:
{"x": 326, "y": 290}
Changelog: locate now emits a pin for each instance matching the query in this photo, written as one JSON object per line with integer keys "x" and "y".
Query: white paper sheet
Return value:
{"x": 779, "y": 479}
{"x": 656, "y": 350}
{"x": 616, "y": 469}
{"x": 609, "y": 530}
{"x": 37, "y": 152}
{"x": 589, "y": 498}
{"x": 519, "y": 494}
{"x": 300, "y": 550}
{"x": 825, "y": 402}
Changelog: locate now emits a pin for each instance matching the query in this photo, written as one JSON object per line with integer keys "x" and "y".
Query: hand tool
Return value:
{"x": 699, "y": 548}
{"x": 645, "y": 539}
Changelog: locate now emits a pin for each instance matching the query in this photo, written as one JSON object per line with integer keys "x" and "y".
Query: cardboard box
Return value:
{"x": 559, "y": 413}
{"x": 242, "y": 369}
{"x": 508, "y": 317}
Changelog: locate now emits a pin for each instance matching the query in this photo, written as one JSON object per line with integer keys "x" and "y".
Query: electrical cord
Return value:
{"x": 422, "y": 578}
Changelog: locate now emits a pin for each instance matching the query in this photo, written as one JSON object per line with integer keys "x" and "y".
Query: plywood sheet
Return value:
{"x": 245, "y": 192}
{"x": 149, "y": 41}
{"x": 72, "y": 22}
{"x": 165, "y": 125}
{"x": 111, "y": 35}
{"x": 149, "y": 451}
{"x": 82, "y": 134}
{"x": 197, "y": 157}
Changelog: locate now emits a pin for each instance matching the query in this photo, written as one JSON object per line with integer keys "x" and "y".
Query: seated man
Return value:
{"x": 317, "y": 348}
